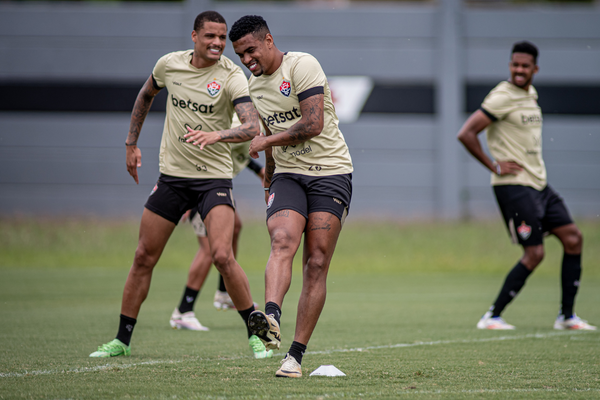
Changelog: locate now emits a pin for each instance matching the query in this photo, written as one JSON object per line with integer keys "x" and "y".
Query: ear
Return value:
{"x": 536, "y": 69}
{"x": 269, "y": 40}
{"x": 194, "y": 36}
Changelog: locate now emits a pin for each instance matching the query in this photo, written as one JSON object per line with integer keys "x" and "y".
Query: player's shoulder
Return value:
{"x": 294, "y": 57}
{"x": 228, "y": 65}
{"x": 511, "y": 92}
{"x": 176, "y": 56}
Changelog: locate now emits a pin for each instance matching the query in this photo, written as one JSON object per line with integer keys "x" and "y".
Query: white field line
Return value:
{"x": 356, "y": 349}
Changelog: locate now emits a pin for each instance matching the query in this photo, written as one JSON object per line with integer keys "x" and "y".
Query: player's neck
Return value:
{"x": 200, "y": 62}
{"x": 526, "y": 88}
{"x": 277, "y": 60}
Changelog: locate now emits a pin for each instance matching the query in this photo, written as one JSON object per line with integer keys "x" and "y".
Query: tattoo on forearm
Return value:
{"x": 250, "y": 126}
{"x": 142, "y": 105}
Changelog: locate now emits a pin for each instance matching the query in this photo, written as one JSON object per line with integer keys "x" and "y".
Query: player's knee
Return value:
{"x": 144, "y": 259}
{"x": 573, "y": 242}
{"x": 533, "y": 257}
{"x": 281, "y": 240}
{"x": 220, "y": 258}
{"x": 316, "y": 266}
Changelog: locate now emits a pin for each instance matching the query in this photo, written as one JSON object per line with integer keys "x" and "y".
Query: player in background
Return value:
{"x": 308, "y": 179}
{"x": 530, "y": 207}
{"x": 191, "y": 175}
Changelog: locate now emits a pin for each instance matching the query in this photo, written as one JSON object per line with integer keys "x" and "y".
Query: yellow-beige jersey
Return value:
{"x": 276, "y": 98}
{"x": 516, "y": 134}
{"x": 202, "y": 99}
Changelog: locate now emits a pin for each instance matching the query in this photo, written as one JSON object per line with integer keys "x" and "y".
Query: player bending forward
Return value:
{"x": 308, "y": 179}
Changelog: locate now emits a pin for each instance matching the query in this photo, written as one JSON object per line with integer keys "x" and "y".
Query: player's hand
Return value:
{"x": 259, "y": 143}
{"x": 133, "y": 160}
{"x": 201, "y": 138}
{"x": 186, "y": 216}
{"x": 509, "y": 168}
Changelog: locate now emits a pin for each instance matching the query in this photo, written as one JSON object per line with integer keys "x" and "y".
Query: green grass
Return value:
{"x": 399, "y": 320}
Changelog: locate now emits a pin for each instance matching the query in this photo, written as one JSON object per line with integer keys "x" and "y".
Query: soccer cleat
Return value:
{"x": 289, "y": 368}
{"x": 266, "y": 328}
{"x": 186, "y": 320}
{"x": 574, "y": 323}
{"x": 494, "y": 323}
{"x": 112, "y": 349}
{"x": 222, "y": 301}
{"x": 258, "y": 348}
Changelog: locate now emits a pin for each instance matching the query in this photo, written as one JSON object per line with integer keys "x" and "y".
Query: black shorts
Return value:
{"x": 172, "y": 196}
{"x": 307, "y": 194}
{"x": 529, "y": 214}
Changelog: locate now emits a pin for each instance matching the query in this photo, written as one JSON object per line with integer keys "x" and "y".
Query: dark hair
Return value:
{"x": 208, "y": 16}
{"x": 249, "y": 24}
{"x": 527, "y": 48}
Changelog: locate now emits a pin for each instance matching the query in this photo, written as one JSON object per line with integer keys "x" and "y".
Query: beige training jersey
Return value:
{"x": 516, "y": 133}
{"x": 277, "y": 99}
{"x": 203, "y": 99}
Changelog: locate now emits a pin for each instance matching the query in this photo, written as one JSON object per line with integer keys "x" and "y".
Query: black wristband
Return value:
{"x": 132, "y": 144}
{"x": 254, "y": 166}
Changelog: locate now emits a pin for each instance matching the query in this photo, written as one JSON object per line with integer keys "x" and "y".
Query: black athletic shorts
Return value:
{"x": 529, "y": 214}
{"x": 307, "y": 194}
{"x": 172, "y": 196}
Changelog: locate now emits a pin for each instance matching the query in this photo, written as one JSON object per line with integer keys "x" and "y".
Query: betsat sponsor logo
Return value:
{"x": 281, "y": 117}
{"x": 531, "y": 119}
{"x": 201, "y": 108}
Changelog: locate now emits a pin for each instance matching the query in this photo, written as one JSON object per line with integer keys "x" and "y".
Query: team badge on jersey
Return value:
{"x": 213, "y": 88}
{"x": 271, "y": 198}
{"x": 285, "y": 88}
{"x": 524, "y": 231}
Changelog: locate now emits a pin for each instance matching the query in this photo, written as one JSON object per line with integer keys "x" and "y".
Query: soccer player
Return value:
{"x": 308, "y": 179}
{"x": 530, "y": 207}
{"x": 205, "y": 88}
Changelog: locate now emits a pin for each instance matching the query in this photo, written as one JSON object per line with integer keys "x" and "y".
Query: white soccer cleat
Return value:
{"x": 222, "y": 301}
{"x": 186, "y": 320}
{"x": 497, "y": 323}
{"x": 574, "y": 323}
{"x": 289, "y": 368}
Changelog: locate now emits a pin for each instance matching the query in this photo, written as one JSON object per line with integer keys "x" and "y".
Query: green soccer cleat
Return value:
{"x": 258, "y": 348}
{"x": 112, "y": 349}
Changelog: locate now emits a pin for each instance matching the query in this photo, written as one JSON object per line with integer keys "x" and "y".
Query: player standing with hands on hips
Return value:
{"x": 308, "y": 179}
{"x": 529, "y": 205}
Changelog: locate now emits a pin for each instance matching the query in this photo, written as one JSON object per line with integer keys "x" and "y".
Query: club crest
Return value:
{"x": 213, "y": 88}
{"x": 285, "y": 88}
{"x": 271, "y": 198}
{"x": 154, "y": 190}
{"x": 524, "y": 231}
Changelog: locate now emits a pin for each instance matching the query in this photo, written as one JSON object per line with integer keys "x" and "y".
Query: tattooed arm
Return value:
{"x": 269, "y": 167}
{"x": 309, "y": 126}
{"x": 133, "y": 156}
{"x": 249, "y": 128}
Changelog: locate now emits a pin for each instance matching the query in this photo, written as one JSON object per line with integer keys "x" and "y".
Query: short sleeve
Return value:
{"x": 498, "y": 104}
{"x": 160, "y": 70}
{"x": 237, "y": 85}
{"x": 307, "y": 74}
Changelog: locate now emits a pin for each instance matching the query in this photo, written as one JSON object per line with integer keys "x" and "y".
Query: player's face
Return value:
{"x": 209, "y": 41}
{"x": 255, "y": 53}
{"x": 522, "y": 68}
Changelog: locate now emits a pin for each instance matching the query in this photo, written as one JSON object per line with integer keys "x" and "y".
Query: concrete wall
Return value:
{"x": 407, "y": 166}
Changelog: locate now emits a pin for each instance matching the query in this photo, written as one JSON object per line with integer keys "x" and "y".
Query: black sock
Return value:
{"x": 222, "y": 287}
{"x": 570, "y": 275}
{"x": 126, "y": 326}
{"x": 245, "y": 314}
{"x": 188, "y": 299}
{"x": 297, "y": 351}
{"x": 512, "y": 285}
{"x": 273, "y": 308}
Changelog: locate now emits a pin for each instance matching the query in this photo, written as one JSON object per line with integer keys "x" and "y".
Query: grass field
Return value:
{"x": 402, "y": 304}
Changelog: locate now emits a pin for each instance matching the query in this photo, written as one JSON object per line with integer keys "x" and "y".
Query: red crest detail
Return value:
{"x": 213, "y": 88}
{"x": 285, "y": 88}
{"x": 524, "y": 231}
